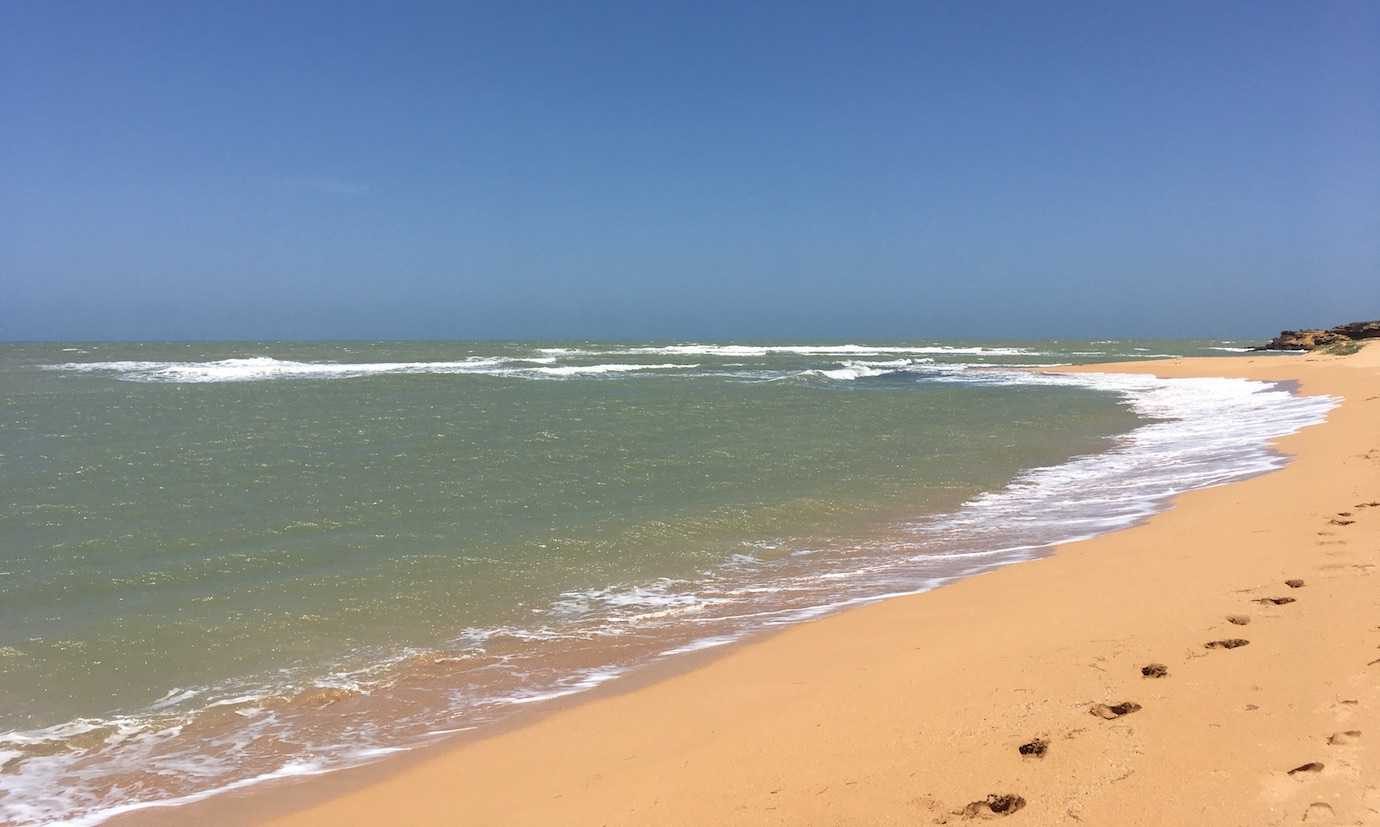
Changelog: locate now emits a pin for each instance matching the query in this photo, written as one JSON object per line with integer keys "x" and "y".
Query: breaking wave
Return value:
{"x": 260, "y": 368}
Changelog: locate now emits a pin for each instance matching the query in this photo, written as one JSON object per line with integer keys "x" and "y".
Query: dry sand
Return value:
{"x": 906, "y": 711}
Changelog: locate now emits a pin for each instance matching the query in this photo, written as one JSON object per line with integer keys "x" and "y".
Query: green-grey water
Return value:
{"x": 189, "y": 528}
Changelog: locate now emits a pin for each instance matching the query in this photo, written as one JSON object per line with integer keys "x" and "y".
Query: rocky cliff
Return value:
{"x": 1313, "y": 339}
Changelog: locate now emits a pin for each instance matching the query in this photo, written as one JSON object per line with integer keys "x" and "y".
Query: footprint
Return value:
{"x": 996, "y": 804}
{"x": 1311, "y": 766}
{"x": 1294, "y": 584}
{"x": 1239, "y": 620}
{"x": 1338, "y": 739}
{"x": 1319, "y": 811}
{"x": 1115, "y": 710}
{"x": 1275, "y": 601}
{"x": 1229, "y": 643}
{"x": 1343, "y": 513}
{"x": 1336, "y": 521}
{"x": 1154, "y": 670}
{"x": 1037, "y": 748}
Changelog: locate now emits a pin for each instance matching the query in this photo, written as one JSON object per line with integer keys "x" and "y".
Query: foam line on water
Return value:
{"x": 263, "y": 368}
{"x": 824, "y": 350}
{"x": 292, "y": 769}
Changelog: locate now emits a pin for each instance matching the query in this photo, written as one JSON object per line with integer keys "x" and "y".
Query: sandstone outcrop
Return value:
{"x": 1314, "y": 339}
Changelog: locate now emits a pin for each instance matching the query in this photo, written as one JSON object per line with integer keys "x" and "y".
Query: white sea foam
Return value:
{"x": 262, "y": 368}
{"x": 587, "y": 370}
{"x": 700, "y": 644}
{"x": 541, "y": 363}
{"x": 581, "y": 681}
{"x": 563, "y": 362}
{"x": 258, "y": 368}
{"x": 825, "y": 350}
{"x": 864, "y": 369}
{"x": 175, "y": 697}
{"x": 751, "y": 350}
{"x": 292, "y": 769}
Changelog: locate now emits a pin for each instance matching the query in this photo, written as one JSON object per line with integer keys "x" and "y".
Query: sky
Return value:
{"x": 256, "y": 170}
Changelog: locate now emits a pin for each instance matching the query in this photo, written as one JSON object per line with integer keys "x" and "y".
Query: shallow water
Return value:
{"x": 221, "y": 562}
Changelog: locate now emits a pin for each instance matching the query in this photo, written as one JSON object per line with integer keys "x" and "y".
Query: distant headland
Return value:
{"x": 1343, "y": 335}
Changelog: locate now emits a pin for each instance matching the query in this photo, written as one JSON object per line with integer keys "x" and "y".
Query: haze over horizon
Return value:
{"x": 682, "y": 171}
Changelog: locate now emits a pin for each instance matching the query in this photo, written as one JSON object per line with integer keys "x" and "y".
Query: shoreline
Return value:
{"x": 741, "y": 695}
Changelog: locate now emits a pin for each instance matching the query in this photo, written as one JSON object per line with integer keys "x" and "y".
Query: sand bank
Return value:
{"x": 907, "y": 711}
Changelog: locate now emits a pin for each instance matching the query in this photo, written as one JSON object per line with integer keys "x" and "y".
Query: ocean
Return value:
{"x": 232, "y": 562}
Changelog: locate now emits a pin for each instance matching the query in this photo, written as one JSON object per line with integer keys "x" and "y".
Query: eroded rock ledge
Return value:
{"x": 1314, "y": 339}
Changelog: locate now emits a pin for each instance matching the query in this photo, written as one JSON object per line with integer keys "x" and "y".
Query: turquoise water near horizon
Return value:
{"x": 221, "y": 560}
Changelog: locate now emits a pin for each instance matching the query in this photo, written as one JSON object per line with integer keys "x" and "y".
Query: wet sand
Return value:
{"x": 914, "y": 711}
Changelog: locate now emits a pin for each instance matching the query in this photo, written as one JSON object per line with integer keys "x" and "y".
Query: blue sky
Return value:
{"x": 697, "y": 170}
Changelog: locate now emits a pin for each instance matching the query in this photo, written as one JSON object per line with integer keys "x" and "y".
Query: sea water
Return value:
{"x": 226, "y": 563}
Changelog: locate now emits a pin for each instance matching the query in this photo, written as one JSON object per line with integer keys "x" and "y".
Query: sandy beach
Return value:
{"x": 914, "y": 710}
